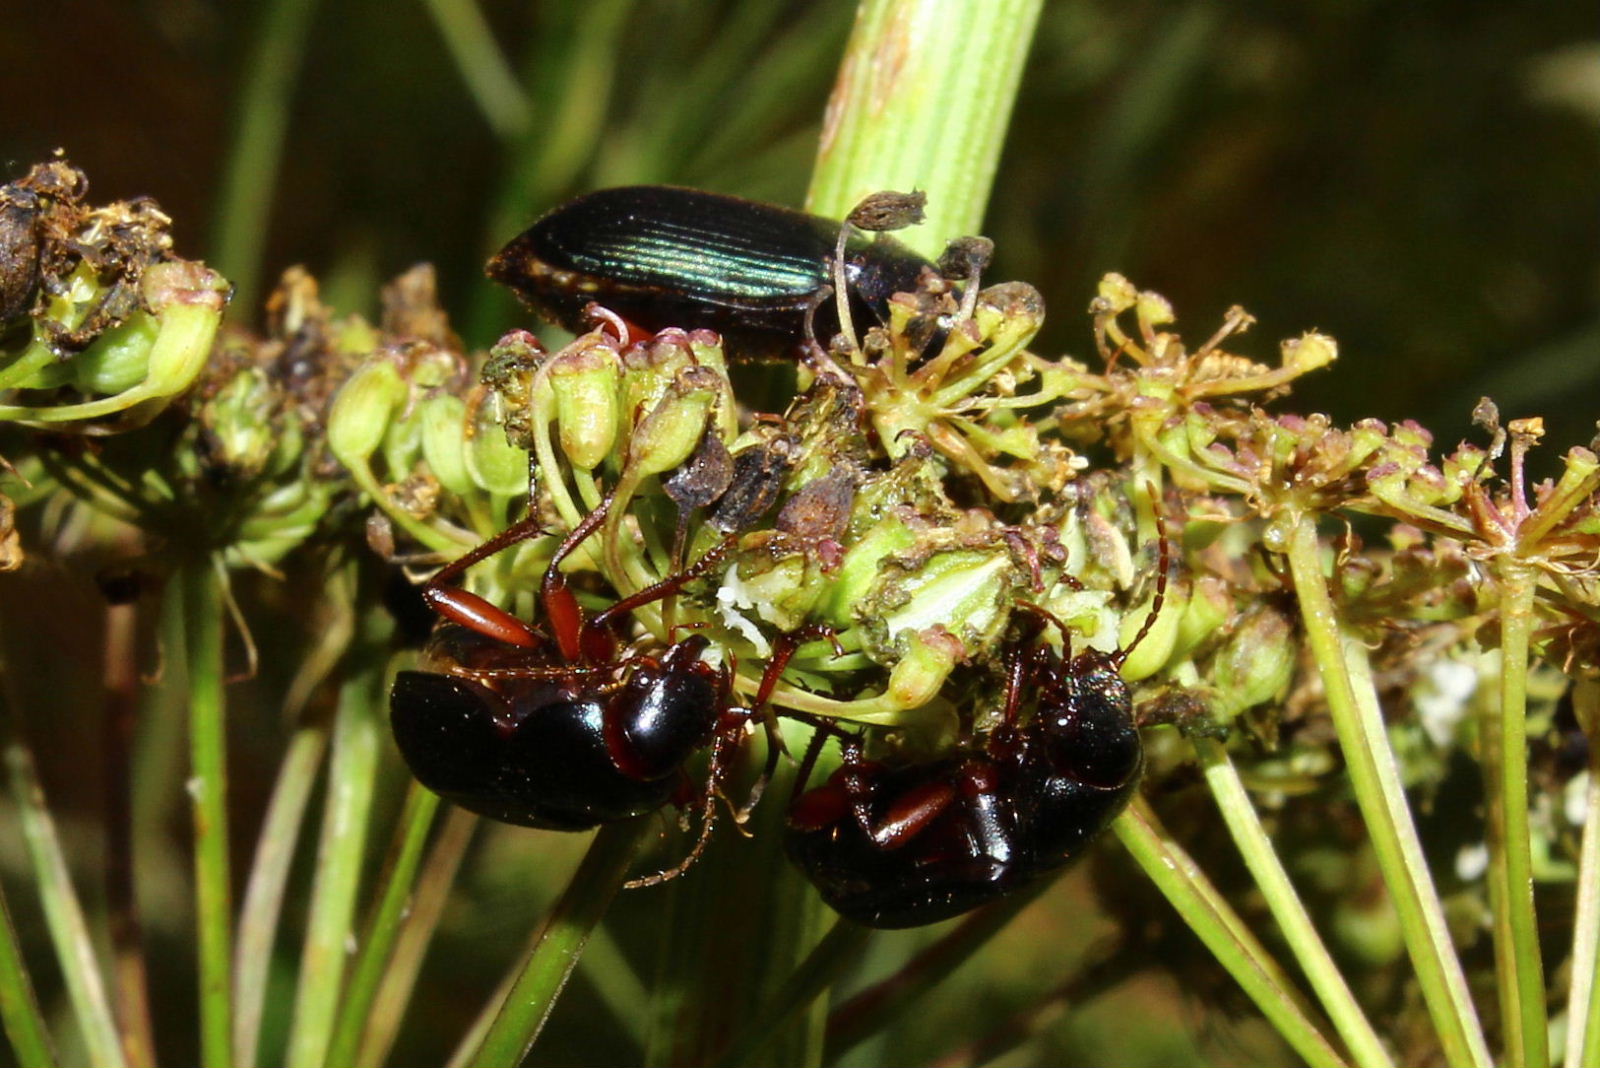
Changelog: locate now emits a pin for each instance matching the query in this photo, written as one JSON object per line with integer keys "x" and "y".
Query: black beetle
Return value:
{"x": 560, "y": 730}
{"x": 901, "y": 846}
{"x": 662, "y": 256}
{"x": 910, "y": 845}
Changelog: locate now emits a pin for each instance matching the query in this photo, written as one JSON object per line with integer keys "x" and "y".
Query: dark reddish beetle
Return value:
{"x": 901, "y": 846}
{"x": 561, "y": 728}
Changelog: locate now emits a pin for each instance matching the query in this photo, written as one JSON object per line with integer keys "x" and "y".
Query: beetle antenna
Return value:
{"x": 729, "y": 734}
{"x": 1164, "y": 563}
{"x": 841, "y": 286}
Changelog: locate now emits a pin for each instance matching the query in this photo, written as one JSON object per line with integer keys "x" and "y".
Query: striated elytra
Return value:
{"x": 662, "y": 256}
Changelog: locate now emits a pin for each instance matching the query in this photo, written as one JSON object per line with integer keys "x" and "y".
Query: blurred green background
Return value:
{"x": 1417, "y": 179}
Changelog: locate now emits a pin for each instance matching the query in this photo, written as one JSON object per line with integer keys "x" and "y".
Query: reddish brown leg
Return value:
{"x": 782, "y": 652}
{"x": 907, "y": 817}
{"x": 729, "y": 736}
{"x": 670, "y": 585}
{"x": 472, "y": 611}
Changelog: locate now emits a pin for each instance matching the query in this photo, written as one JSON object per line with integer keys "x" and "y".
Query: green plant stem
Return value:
{"x": 837, "y": 950}
{"x": 922, "y": 101}
{"x": 1244, "y": 824}
{"x": 559, "y": 945}
{"x": 269, "y": 874}
{"x": 1210, "y": 916}
{"x": 357, "y": 731}
{"x": 383, "y": 925}
{"x": 482, "y": 66}
{"x": 63, "y": 914}
{"x": 199, "y": 584}
{"x": 1518, "y": 967}
{"x": 19, "y": 1008}
{"x": 416, "y": 926}
{"x": 1583, "y": 1004}
{"x": 261, "y": 117}
{"x": 1375, "y": 780}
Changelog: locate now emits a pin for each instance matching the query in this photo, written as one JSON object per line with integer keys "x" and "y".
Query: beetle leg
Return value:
{"x": 561, "y": 606}
{"x": 907, "y": 816}
{"x": 472, "y": 611}
{"x": 730, "y": 734}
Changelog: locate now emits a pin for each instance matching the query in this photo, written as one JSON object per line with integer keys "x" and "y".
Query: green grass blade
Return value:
{"x": 1583, "y": 1002}
{"x": 559, "y": 945}
{"x": 483, "y": 67}
{"x": 417, "y": 924}
{"x": 1366, "y": 1050}
{"x": 19, "y": 1009}
{"x": 1210, "y": 916}
{"x": 261, "y": 121}
{"x": 383, "y": 925}
{"x": 838, "y": 948}
{"x": 69, "y": 931}
{"x": 269, "y": 875}
{"x": 358, "y": 731}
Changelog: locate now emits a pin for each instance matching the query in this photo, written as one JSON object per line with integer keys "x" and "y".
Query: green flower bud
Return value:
{"x": 711, "y": 356}
{"x": 1256, "y": 663}
{"x": 498, "y": 466}
{"x": 649, "y": 370}
{"x": 665, "y": 438}
{"x": 1153, "y": 653}
{"x": 188, "y": 298}
{"x": 586, "y": 381}
{"x": 1115, "y": 294}
{"x": 402, "y": 443}
{"x": 443, "y": 419}
{"x": 859, "y": 569}
{"x": 921, "y": 673}
{"x": 1309, "y": 352}
{"x": 1208, "y": 609}
{"x": 361, "y": 413}
{"x": 119, "y": 359}
{"x": 966, "y": 592}
{"x": 244, "y": 422}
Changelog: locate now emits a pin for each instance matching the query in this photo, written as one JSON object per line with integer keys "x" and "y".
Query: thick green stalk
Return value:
{"x": 1583, "y": 1004}
{"x": 63, "y": 913}
{"x": 922, "y": 101}
{"x": 199, "y": 583}
{"x": 559, "y": 945}
{"x": 269, "y": 874}
{"x": 19, "y": 1009}
{"x": 1244, "y": 824}
{"x": 383, "y": 925}
{"x": 261, "y": 116}
{"x": 357, "y": 733}
{"x": 1518, "y": 967}
{"x": 1375, "y": 780}
{"x": 1210, "y": 916}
